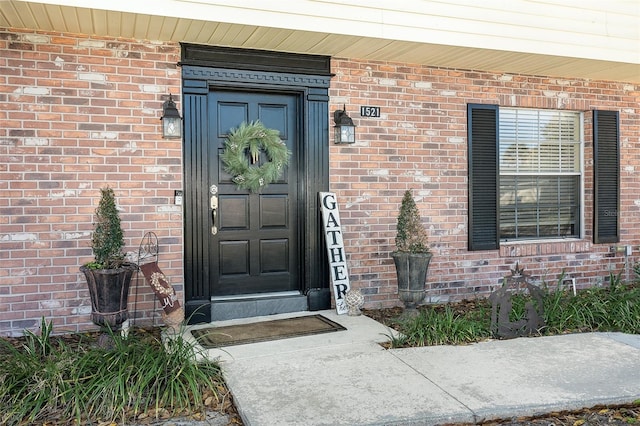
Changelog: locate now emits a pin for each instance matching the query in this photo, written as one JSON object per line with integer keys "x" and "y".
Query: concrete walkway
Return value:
{"x": 347, "y": 378}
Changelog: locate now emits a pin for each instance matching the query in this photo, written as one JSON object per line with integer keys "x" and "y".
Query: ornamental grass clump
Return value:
{"x": 48, "y": 381}
{"x": 440, "y": 327}
{"x": 411, "y": 235}
{"x": 612, "y": 308}
{"x": 615, "y": 307}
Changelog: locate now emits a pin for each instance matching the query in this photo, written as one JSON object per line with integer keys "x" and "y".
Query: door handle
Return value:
{"x": 214, "y": 213}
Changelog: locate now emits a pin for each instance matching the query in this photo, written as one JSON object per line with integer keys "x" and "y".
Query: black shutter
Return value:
{"x": 482, "y": 134}
{"x": 606, "y": 177}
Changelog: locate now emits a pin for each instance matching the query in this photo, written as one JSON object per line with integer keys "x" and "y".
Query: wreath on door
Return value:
{"x": 254, "y": 138}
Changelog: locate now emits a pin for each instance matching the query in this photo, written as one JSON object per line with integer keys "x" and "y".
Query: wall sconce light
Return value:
{"x": 345, "y": 130}
{"x": 171, "y": 121}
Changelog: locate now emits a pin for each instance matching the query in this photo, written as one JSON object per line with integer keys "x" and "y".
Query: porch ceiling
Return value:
{"x": 61, "y": 18}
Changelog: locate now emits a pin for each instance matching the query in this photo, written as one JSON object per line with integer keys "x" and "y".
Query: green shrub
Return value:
{"x": 615, "y": 307}
{"x": 432, "y": 327}
{"x": 107, "y": 239}
{"x": 611, "y": 308}
{"x": 412, "y": 235}
{"x": 47, "y": 379}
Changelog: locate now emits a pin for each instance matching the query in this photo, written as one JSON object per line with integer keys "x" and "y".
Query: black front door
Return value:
{"x": 266, "y": 248}
{"x": 252, "y": 236}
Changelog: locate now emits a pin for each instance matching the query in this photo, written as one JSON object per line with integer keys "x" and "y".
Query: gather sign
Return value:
{"x": 335, "y": 249}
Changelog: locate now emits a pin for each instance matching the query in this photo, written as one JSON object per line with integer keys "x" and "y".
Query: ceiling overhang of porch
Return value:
{"x": 250, "y": 29}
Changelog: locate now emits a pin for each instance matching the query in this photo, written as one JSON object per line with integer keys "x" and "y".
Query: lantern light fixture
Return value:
{"x": 171, "y": 120}
{"x": 345, "y": 130}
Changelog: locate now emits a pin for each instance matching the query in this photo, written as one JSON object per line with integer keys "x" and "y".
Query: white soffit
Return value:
{"x": 565, "y": 38}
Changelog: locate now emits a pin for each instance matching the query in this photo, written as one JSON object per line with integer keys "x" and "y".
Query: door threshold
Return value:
{"x": 255, "y": 305}
{"x": 253, "y": 296}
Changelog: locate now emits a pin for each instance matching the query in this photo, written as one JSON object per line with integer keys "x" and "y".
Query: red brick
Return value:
{"x": 90, "y": 127}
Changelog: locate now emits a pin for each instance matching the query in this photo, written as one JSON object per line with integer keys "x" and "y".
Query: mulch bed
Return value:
{"x": 599, "y": 415}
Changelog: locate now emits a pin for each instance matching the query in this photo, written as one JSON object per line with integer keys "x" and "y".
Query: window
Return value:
{"x": 526, "y": 175}
{"x": 540, "y": 170}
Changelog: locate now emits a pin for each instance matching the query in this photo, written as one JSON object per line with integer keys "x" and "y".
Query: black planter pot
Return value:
{"x": 109, "y": 290}
{"x": 319, "y": 299}
{"x": 411, "y": 269}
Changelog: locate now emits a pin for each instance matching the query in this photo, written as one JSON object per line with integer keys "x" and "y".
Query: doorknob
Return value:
{"x": 214, "y": 212}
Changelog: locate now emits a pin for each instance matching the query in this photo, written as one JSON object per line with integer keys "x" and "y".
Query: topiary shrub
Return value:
{"x": 107, "y": 239}
{"x": 412, "y": 235}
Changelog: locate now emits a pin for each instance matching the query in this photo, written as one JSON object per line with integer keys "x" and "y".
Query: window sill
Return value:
{"x": 544, "y": 247}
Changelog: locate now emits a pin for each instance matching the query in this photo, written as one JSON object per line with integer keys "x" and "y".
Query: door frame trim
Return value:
{"x": 254, "y": 59}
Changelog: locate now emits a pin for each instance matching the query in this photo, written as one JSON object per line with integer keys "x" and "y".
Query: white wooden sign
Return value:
{"x": 335, "y": 249}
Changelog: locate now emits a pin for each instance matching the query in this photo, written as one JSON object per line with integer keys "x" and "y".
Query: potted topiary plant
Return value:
{"x": 108, "y": 275}
{"x": 412, "y": 255}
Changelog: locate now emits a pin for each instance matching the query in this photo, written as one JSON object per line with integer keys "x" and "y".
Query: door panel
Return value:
{"x": 255, "y": 248}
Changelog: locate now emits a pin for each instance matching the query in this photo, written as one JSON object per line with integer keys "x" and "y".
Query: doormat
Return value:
{"x": 215, "y": 337}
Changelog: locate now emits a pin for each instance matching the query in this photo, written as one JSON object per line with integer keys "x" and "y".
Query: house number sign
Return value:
{"x": 335, "y": 249}
{"x": 369, "y": 111}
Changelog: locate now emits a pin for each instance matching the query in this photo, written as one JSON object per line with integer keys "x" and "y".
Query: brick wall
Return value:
{"x": 420, "y": 143}
{"x": 78, "y": 113}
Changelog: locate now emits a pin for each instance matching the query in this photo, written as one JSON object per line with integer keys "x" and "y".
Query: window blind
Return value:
{"x": 540, "y": 169}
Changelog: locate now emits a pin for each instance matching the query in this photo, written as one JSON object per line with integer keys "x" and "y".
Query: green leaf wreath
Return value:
{"x": 254, "y": 137}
